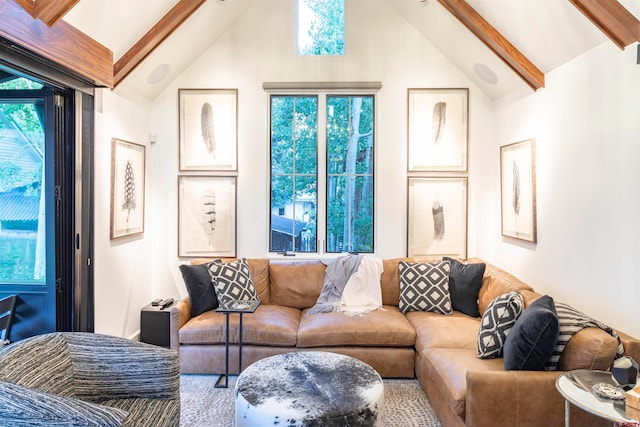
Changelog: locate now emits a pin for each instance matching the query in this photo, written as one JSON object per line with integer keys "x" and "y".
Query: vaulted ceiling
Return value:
{"x": 503, "y": 46}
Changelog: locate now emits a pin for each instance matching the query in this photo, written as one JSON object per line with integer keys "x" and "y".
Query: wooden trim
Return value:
{"x": 496, "y": 42}
{"x": 152, "y": 39}
{"x": 28, "y": 5}
{"x": 48, "y": 11}
{"x": 612, "y": 18}
{"x": 51, "y": 11}
{"x": 62, "y": 43}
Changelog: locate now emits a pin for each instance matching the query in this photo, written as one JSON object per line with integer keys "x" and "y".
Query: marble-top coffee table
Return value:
{"x": 309, "y": 388}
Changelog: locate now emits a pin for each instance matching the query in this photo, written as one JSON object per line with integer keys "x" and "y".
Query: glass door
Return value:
{"x": 27, "y": 203}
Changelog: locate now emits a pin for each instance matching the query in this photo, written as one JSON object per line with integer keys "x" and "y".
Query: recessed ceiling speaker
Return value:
{"x": 485, "y": 73}
{"x": 158, "y": 74}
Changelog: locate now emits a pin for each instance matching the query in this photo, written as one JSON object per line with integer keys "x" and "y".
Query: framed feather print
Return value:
{"x": 127, "y": 188}
{"x": 208, "y": 129}
{"x": 437, "y": 130}
{"x": 206, "y": 216}
{"x": 437, "y": 216}
{"x": 518, "y": 190}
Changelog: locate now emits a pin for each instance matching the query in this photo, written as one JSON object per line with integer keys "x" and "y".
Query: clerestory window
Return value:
{"x": 322, "y": 172}
{"x": 321, "y": 27}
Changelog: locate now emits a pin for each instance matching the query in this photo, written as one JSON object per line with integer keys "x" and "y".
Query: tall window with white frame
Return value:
{"x": 330, "y": 201}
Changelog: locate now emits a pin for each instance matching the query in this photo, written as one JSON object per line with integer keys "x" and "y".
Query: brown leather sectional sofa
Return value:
{"x": 439, "y": 350}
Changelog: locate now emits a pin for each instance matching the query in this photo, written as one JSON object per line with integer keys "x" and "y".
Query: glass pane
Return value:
{"x": 282, "y": 126}
{"x": 293, "y": 173}
{"x": 350, "y": 127}
{"x": 22, "y": 225}
{"x": 20, "y": 83}
{"x": 321, "y": 27}
{"x": 305, "y": 213}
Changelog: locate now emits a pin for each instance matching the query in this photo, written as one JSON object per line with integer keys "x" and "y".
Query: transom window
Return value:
{"x": 322, "y": 172}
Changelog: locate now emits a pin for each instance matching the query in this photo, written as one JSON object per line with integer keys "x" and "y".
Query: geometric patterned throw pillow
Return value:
{"x": 424, "y": 287}
{"x": 498, "y": 319}
{"x": 232, "y": 280}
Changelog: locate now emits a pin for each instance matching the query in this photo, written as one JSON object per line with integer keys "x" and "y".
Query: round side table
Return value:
{"x": 322, "y": 388}
{"x": 573, "y": 392}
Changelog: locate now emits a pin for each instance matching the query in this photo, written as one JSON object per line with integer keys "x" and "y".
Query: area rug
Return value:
{"x": 405, "y": 404}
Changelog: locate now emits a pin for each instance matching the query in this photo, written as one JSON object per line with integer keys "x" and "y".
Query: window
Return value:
{"x": 321, "y": 27}
{"x": 329, "y": 200}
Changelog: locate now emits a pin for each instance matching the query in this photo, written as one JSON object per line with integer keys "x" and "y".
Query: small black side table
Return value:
{"x": 240, "y": 307}
{"x": 154, "y": 325}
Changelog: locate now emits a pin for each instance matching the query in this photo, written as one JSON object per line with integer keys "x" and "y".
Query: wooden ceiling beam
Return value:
{"x": 152, "y": 39}
{"x": 495, "y": 41}
{"x": 48, "y": 11}
{"x": 612, "y": 18}
{"x": 62, "y": 43}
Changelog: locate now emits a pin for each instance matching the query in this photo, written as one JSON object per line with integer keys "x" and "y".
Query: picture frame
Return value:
{"x": 127, "y": 188}
{"x": 437, "y": 129}
{"x": 518, "y": 190}
{"x": 437, "y": 216}
{"x": 206, "y": 216}
{"x": 208, "y": 128}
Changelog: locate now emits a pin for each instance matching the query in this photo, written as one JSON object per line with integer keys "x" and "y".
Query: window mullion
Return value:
{"x": 322, "y": 173}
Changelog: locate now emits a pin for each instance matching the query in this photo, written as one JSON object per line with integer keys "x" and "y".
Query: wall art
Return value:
{"x": 208, "y": 129}
{"x": 127, "y": 188}
{"x": 206, "y": 216}
{"x": 437, "y": 216}
{"x": 518, "y": 190}
{"x": 437, "y": 129}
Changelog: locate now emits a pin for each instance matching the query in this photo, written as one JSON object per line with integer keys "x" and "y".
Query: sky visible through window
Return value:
{"x": 321, "y": 27}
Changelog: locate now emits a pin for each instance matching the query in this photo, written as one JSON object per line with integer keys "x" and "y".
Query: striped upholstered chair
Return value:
{"x": 75, "y": 378}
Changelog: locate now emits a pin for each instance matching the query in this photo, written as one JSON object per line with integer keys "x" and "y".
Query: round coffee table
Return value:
{"x": 298, "y": 388}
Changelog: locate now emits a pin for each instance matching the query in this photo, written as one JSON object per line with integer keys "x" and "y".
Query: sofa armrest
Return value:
{"x": 20, "y": 406}
{"x": 631, "y": 345}
{"x": 519, "y": 398}
{"x": 179, "y": 314}
{"x": 108, "y": 367}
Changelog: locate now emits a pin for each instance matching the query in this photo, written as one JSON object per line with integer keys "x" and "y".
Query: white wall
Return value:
{"x": 380, "y": 46}
{"x": 585, "y": 123}
{"x": 123, "y": 266}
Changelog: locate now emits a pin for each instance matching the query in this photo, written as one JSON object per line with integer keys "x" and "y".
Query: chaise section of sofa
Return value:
{"x": 468, "y": 391}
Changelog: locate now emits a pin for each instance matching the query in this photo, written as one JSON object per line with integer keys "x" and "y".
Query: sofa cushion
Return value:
{"x": 390, "y": 281}
{"x": 533, "y": 338}
{"x": 381, "y": 328}
{"x": 589, "y": 348}
{"x": 465, "y": 281}
{"x": 497, "y": 282}
{"x": 497, "y": 322}
{"x": 232, "y": 280}
{"x": 424, "y": 286}
{"x": 47, "y": 368}
{"x": 296, "y": 284}
{"x": 447, "y": 369}
{"x": 269, "y": 325}
{"x": 202, "y": 293}
{"x": 435, "y": 330}
{"x": 22, "y": 406}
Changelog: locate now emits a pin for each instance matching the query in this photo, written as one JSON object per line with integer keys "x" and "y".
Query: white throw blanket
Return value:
{"x": 363, "y": 293}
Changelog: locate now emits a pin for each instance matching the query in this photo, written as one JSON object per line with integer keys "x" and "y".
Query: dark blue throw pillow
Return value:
{"x": 465, "y": 281}
{"x": 533, "y": 338}
{"x": 202, "y": 293}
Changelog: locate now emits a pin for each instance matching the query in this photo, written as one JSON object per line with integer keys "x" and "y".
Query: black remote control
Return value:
{"x": 166, "y": 303}
{"x": 156, "y": 302}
